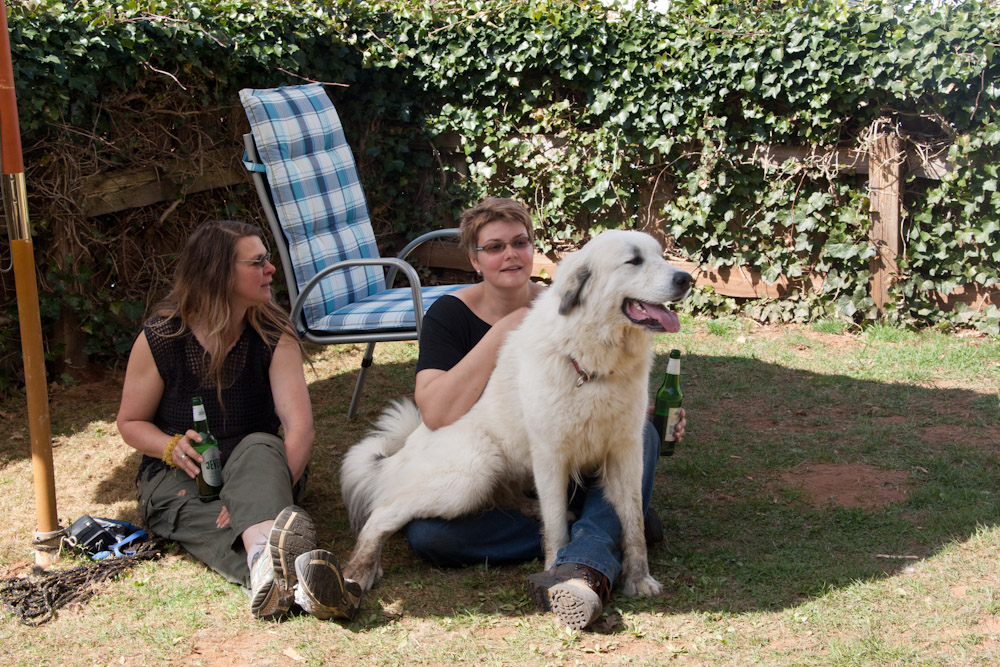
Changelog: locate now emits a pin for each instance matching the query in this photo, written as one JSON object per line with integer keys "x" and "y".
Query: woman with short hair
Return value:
{"x": 459, "y": 343}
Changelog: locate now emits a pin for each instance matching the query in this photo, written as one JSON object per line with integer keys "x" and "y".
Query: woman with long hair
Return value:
{"x": 219, "y": 336}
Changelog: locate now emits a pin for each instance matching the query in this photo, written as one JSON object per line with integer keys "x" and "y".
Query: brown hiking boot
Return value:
{"x": 574, "y": 593}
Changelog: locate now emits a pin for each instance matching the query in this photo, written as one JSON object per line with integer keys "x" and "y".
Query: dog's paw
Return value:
{"x": 363, "y": 576}
{"x": 645, "y": 585}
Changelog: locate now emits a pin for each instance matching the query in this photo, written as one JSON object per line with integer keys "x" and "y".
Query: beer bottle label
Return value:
{"x": 211, "y": 467}
{"x": 673, "y": 417}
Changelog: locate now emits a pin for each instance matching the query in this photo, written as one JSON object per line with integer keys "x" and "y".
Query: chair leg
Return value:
{"x": 366, "y": 362}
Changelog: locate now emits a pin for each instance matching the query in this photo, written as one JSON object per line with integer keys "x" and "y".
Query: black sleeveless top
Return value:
{"x": 247, "y": 405}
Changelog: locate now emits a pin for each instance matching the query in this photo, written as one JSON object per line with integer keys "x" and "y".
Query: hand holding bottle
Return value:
{"x": 678, "y": 428}
{"x": 680, "y": 425}
{"x": 185, "y": 456}
{"x": 209, "y": 475}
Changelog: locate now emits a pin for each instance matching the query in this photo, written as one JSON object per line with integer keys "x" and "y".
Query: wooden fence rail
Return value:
{"x": 887, "y": 162}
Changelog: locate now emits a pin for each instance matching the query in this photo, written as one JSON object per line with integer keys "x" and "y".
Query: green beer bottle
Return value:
{"x": 666, "y": 409}
{"x": 210, "y": 477}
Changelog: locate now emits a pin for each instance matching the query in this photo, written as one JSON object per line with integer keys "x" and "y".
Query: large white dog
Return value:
{"x": 567, "y": 398}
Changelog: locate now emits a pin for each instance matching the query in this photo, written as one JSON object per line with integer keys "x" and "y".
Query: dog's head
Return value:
{"x": 624, "y": 271}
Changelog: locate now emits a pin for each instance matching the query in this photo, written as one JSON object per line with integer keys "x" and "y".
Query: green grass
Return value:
{"x": 727, "y": 327}
{"x": 830, "y": 326}
{"x": 754, "y": 570}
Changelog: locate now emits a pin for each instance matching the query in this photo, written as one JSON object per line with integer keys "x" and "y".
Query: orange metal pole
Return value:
{"x": 25, "y": 281}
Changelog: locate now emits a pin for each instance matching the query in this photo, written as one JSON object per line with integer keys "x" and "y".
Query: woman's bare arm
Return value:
{"x": 444, "y": 396}
{"x": 291, "y": 403}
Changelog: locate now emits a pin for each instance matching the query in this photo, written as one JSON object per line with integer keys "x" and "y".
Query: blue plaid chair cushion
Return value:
{"x": 391, "y": 309}
{"x": 321, "y": 206}
{"x": 317, "y": 194}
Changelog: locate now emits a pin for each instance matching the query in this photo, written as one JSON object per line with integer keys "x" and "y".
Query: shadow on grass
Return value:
{"x": 119, "y": 485}
{"x": 738, "y": 536}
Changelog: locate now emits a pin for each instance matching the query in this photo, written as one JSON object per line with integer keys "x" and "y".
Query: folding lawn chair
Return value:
{"x": 308, "y": 184}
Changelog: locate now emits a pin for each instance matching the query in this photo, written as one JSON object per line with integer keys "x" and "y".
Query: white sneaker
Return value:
{"x": 272, "y": 573}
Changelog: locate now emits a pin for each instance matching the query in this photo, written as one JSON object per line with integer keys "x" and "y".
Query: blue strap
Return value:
{"x": 118, "y": 549}
{"x": 253, "y": 166}
{"x": 132, "y": 534}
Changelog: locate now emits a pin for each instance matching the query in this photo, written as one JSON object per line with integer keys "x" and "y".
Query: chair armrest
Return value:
{"x": 415, "y": 243}
{"x": 394, "y": 263}
{"x": 424, "y": 238}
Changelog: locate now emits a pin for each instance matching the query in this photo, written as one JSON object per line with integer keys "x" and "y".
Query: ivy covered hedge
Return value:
{"x": 594, "y": 117}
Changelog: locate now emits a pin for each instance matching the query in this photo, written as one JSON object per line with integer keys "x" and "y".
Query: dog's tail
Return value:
{"x": 359, "y": 482}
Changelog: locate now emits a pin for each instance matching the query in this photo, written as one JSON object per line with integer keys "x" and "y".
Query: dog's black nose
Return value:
{"x": 682, "y": 279}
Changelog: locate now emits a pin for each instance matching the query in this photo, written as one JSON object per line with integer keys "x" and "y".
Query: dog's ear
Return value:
{"x": 572, "y": 295}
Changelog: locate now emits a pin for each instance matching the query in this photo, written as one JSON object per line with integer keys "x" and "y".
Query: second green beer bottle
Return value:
{"x": 210, "y": 477}
{"x": 666, "y": 409}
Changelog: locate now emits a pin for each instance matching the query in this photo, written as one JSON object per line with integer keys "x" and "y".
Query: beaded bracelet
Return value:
{"x": 168, "y": 451}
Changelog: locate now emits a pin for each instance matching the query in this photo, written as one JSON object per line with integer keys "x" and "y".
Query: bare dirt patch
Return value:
{"x": 947, "y": 433}
{"x": 848, "y": 485}
{"x": 239, "y": 649}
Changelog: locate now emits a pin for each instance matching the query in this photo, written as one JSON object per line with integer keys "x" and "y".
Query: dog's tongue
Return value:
{"x": 667, "y": 318}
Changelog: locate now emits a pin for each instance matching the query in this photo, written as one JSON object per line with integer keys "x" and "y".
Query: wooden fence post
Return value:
{"x": 886, "y": 164}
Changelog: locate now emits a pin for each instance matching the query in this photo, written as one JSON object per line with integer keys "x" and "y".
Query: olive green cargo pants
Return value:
{"x": 256, "y": 485}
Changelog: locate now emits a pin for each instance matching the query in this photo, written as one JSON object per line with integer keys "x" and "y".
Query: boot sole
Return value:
{"x": 575, "y": 603}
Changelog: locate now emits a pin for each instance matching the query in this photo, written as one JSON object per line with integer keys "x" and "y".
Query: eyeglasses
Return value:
{"x": 259, "y": 262}
{"x": 497, "y": 247}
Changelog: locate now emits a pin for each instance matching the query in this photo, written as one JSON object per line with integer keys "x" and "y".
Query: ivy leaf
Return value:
{"x": 771, "y": 274}
{"x": 601, "y": 102}
{"x": 841, "y": 250}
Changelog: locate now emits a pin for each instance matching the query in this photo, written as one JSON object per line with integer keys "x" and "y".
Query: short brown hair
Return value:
{"x": 490, "y": 210}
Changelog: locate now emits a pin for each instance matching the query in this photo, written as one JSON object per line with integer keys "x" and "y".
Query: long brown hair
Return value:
{"x": 203, "y": 280}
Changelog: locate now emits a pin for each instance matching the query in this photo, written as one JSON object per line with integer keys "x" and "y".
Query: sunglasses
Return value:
{"x": 497, "y": 247}
{"x": 259, "y": 262}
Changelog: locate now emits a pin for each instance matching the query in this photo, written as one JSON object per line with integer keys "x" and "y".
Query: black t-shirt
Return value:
{"x": 450, "y": 331}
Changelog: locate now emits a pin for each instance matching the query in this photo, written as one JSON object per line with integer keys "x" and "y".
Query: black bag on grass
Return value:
{"x": 103, "y": 538}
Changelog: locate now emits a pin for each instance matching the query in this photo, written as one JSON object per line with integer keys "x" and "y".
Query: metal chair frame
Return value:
{"x": 394, "y": 265}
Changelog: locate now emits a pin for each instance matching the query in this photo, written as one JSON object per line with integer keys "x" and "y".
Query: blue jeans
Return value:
{"x": 506, "y": 536}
